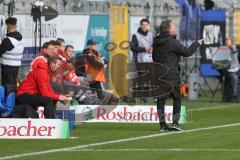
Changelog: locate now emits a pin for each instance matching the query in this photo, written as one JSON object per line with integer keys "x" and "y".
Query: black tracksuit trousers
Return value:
{"x": 36, "y": 100}
{"x": 176, "y": 96}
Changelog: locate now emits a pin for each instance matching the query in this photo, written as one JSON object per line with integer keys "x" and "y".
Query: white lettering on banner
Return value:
{"x": 29, "y": 129}
{"x": 211, "y": 34}
{"x": 121, "y": 113}
{"x": 72, "y": 31}
{"x": 99, "y": 32}
{"x": 49, "y": 30}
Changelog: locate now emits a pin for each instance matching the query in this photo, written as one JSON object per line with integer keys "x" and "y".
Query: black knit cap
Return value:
{"x": 11, "y": 20}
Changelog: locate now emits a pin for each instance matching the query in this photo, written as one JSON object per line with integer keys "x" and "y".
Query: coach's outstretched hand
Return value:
{"x": 200, "y": 41}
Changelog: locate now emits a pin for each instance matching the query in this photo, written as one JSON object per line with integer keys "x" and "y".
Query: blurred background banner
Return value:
{"x": 98, "y": 29}
{"x": 213, "y": 30}
{"x": 75, "y": 29}
{"x": 236, "y": 25}
{"x": 119, "y": 51}
{"x": 189, "y": 27}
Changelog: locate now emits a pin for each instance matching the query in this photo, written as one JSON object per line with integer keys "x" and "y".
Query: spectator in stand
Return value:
{"x": 36, "y": 90}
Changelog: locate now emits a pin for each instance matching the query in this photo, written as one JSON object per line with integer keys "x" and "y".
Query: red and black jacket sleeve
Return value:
{"x": 43, "y": 82}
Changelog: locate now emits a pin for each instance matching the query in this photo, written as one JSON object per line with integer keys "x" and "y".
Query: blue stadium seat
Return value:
{"x": 208, "y": 71}
{"x": 2, "y": 92}
{"x": 7, "y": 108}
{"x": 2, "y": 107}
{"x": 10, "y": 102}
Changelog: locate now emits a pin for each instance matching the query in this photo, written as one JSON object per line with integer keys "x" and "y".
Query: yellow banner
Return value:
{"x": 236, "y": 21}
{"x": 119, "y": 52}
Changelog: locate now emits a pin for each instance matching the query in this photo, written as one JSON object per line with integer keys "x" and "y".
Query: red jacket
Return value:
{"x": 62, "y": 54}
{"x": 38, "y": 82}
{"x": 66, "y": 72}
{"x": 41, "y": 58}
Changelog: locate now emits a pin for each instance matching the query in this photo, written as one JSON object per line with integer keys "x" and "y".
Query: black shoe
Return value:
{"x": 155, "y": 100}
{"x": 234, "y": 99}
{"x": 176, "y": 127}
{"x": 164, "y": 128}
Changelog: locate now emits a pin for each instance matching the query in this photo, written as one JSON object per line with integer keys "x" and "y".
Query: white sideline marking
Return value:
{"x": 216, "y": 107}
{"x": 115, "y": 141}
{"x": 73, "y": 137}
{"x": 157, "y": 150}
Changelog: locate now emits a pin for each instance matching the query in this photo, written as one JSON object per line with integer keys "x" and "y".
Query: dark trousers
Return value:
{"x": 36, "y": 100}
{"x": 233, "y": 77}
{"x": 9, "y": 76}
{"x": 176, "y": 96}
{"x": 24, "y": 111}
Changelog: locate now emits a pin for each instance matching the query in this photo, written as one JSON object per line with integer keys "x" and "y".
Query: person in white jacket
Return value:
{"x": 11, "y": 52}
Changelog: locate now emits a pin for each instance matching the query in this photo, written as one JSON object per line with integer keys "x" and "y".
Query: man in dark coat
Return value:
{"x": 168, "y": 51}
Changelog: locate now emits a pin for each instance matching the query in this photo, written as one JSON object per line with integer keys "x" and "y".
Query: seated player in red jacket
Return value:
{"x": 46, "y": 51}
{"x": 60, "y": 45}
{"x": 66, "y": 73}
{"x": 36, "y": 89}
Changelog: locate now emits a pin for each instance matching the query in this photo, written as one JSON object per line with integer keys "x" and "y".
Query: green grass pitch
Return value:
{"x": 211, "y": 133}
